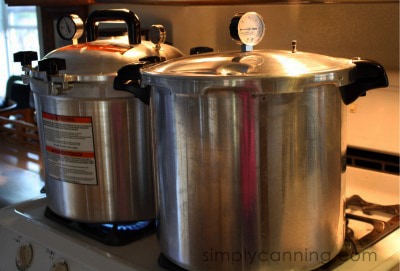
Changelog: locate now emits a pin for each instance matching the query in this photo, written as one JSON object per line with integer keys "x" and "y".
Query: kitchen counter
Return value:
{"x": 20, "y": 178}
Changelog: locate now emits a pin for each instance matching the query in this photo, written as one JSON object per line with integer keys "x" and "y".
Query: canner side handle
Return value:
{"x": 367, "y": 75}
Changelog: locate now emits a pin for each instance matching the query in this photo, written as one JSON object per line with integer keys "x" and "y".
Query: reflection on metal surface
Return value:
{"x": 291, "y": 66}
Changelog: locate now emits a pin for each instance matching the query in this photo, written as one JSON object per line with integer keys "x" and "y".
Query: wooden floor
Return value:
{"x": 19, "y": 174}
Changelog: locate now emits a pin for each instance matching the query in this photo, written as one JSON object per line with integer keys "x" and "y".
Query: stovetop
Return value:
{"x": 53, "y": 241}
{"x": 52, "y": 244}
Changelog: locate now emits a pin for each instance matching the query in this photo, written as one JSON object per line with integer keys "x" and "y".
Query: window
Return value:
{"x": 19, "y": 32}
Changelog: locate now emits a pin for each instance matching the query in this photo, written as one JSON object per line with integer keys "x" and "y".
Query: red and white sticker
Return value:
{"x": 69, "y": 148}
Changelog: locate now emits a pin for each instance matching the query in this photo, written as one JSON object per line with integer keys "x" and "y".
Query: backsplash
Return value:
{"x": 343, "y": 30}
{"x": 373, "y": 120}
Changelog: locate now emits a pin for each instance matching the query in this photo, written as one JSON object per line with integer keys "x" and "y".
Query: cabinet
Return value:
{"x": 53, "y": 3}
{"x": 181, "y": 2}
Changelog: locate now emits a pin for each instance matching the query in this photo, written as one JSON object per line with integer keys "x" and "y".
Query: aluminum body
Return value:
{"x": 250, "y": 159}
{"x": 95, "y": 140}
{"x": 121, "y": 187}
{"x": 250, "y": 182}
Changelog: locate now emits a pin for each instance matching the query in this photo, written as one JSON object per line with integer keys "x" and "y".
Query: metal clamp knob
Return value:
{"x": 25, "y": 57}
{"x": 52, "y": 66}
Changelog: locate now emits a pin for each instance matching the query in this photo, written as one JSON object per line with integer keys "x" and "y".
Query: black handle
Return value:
{"x": 130, "y": 18}
{"x": 52, "y": 66}
{"x": 152, "y": 59}
{"x": 129, "y": 78}
{"x": 25, "y": 57}
{"x": 200, "y": 50}
{"x": 368, "y": 74}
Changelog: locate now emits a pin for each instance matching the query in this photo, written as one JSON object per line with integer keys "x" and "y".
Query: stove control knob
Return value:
{"x": 59, "y": 265}
{"x": 24, "y": 256}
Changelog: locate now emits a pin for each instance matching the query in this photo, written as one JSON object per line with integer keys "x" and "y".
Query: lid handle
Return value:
{"x": 130, "y": 18}
{"x": 366, "y": 75}
{"x": 129, "y": 79}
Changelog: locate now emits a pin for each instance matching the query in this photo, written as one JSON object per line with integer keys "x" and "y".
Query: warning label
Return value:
{"x": 69, "y": 148}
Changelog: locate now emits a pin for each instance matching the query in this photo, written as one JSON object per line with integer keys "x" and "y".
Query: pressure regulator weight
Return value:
{"x": 247, "y": 29}
{"x": 70, "y": 27}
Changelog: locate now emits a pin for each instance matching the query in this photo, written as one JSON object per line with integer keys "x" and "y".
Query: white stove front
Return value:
{"x": 51, "y": 244}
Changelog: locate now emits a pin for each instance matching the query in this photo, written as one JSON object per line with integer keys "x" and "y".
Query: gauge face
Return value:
{"x": 70, "y": 27}
{"x": 250, "y": 28}
{"x": 157, "y": 34}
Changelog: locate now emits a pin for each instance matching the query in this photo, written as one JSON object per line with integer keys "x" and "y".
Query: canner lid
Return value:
{"x": 259, "y": 71}
{"x": 275, "y": 71}
{"x": 102, "y": 57}
{"x": 258, "y": 63}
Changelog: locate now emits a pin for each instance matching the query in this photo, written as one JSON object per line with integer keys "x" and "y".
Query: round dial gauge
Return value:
{"x": 247, "y": 28}
{"x": 70, "y": 27}
{"x": 157, "y": 35}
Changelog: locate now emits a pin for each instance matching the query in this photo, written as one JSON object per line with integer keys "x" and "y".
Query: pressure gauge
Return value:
{"x": 157, "y": 35}
{"x": 70, "y": 27}
{"x": 247, "y": 29}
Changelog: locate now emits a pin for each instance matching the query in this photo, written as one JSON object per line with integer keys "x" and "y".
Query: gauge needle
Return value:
{"x": 68, "y": 28}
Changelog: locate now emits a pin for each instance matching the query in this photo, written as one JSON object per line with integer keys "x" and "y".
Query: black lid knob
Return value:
{"x": 200, "y": 50}
{"x": 25, "y": 57}
{"x": 152, "y": 59}
{"x": 52, "y": 65}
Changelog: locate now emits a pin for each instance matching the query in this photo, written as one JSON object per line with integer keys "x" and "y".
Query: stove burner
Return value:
{"x": 129, "y": 227}
{"x": 109, "y": 234}
{"x": 368, "y": 207}
{"x": 352, "y": 246}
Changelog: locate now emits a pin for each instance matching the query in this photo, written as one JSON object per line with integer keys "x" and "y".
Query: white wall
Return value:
{"x": 345, "y": 30}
